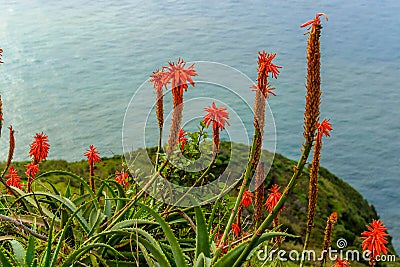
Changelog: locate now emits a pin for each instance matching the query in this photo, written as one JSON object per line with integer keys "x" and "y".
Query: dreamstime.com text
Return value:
{"x": 331, "y": 254}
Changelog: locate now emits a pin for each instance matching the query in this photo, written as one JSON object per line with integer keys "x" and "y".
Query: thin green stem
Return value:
{"x": 153, "y": 201}
{"x": 267, "y": 222}
{"x": 211, "y": 219}
{"x": 41, "y": 211}
{"x": 307, "y": 239}
{"x": 248, "y": 173}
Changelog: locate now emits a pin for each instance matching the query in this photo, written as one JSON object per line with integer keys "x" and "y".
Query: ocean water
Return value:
{"x": 71, "y": 68}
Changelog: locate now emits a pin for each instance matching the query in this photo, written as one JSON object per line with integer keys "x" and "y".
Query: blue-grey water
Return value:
{"x": 71, "y": 68}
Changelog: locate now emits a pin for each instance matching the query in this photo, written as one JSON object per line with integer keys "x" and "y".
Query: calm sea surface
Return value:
{"x": 71, "y": 68}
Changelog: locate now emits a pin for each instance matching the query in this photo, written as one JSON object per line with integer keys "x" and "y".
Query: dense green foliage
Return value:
{"x": 79, "y": 222}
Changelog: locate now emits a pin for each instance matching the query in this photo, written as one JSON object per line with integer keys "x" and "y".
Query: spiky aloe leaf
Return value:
{"x": 31, "y": 249}
{"x": 19, "y": 252}
{"x": 70, "y": 206}
{"x": 202, "y": 241}
{"x": 202, "y": 261}
{"x": 4, "y": 259}
{"x": 30, "y": 202}
{"x": 230, "y": 257}
{"x": 149, "y": 260}
{"x": 179, "y": 257}
{"x": 117, "y": 263}
{"x": 77, "y": 254}
{"x": 155, "y": 252}
{"x": 81, "y": 199}
{"x": 107, "y": 206}
{"x": 49, "y": 242}
{"x": 53, "y": 187}
{"x": 67, "y": 193}
{"x": 61, "y": 238}
{"x": 95, "y": 218}
{"x": 74, "y": 176}
{"x": 121, "y": 194}
{"x": 130, "y": 223}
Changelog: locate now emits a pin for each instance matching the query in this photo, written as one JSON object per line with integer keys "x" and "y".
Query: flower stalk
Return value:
{"x": 313, "y": 97}
{"x": 286, "y": 192}
{"x": 265, "y": 66}
{"x": 323, "y": 129}
{"x": 93, "y": 156}
{"x": 332, "y": 219}
{"x": 179, "y": 77}
{"x": 259, "y": 195}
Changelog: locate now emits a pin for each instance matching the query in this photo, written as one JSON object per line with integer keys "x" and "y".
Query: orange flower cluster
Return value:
{"x": 93, "y": 156}
{"x": 273, "y": 197}
{"x": 246, "y": 198}
{"x": 182, "y": 139}
{"x": 218, "y": 117}
{"x": 265, "y": 65}
{"x": 179, "y": 77}
{"x": 32, "y": 169}
{"x": 323, "y": 129}
{"x": 375, "y": 239}
{"x": 121, "y": 177}
{"x": 13, "y": 179}
{"x": 314, "y": 22}
{"x": 38, "y": 151}
{"x": 39, "y": 148}
{"x": 157, "y": 78}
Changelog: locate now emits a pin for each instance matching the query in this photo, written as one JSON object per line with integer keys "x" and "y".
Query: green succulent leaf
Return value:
{"x": 5, "y": 259}
{"x": 19, "y": 252}
{"x": 179, "y": 257}
{"x": 31, "y": 248}
{"x": 202, "y": 241}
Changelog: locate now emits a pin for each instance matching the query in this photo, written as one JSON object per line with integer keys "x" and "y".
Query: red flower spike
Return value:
{"x": 246, "y": 199}
{"x": 13, "y": 178}
{"x": 266, "y": 66}
{"x": 323, "y": 128}
{"x": 316, "y": 21}
{"x": 235, "y": 229}
{"x": 32, "y": 169}
{"x": 341, "y": 263}
{"x": 157, "y": 78}
{"x": 375, "y": 239}
{"x": 273, "y": 197}
{"x": 218, "y": 116}
{"x": 92, "y": 154}
{"x": 182, "y": 138}
{"x": 121, "y": 177}
{"x": 267, "y": 92}
{"x": 39, "y": 148}
{"x": 178, "y": 75}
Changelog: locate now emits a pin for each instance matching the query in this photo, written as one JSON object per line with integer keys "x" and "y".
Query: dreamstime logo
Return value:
{"x": 341, "y": 243}
{"x": 217, "y": 83}
{"x": 331, "y": 254}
